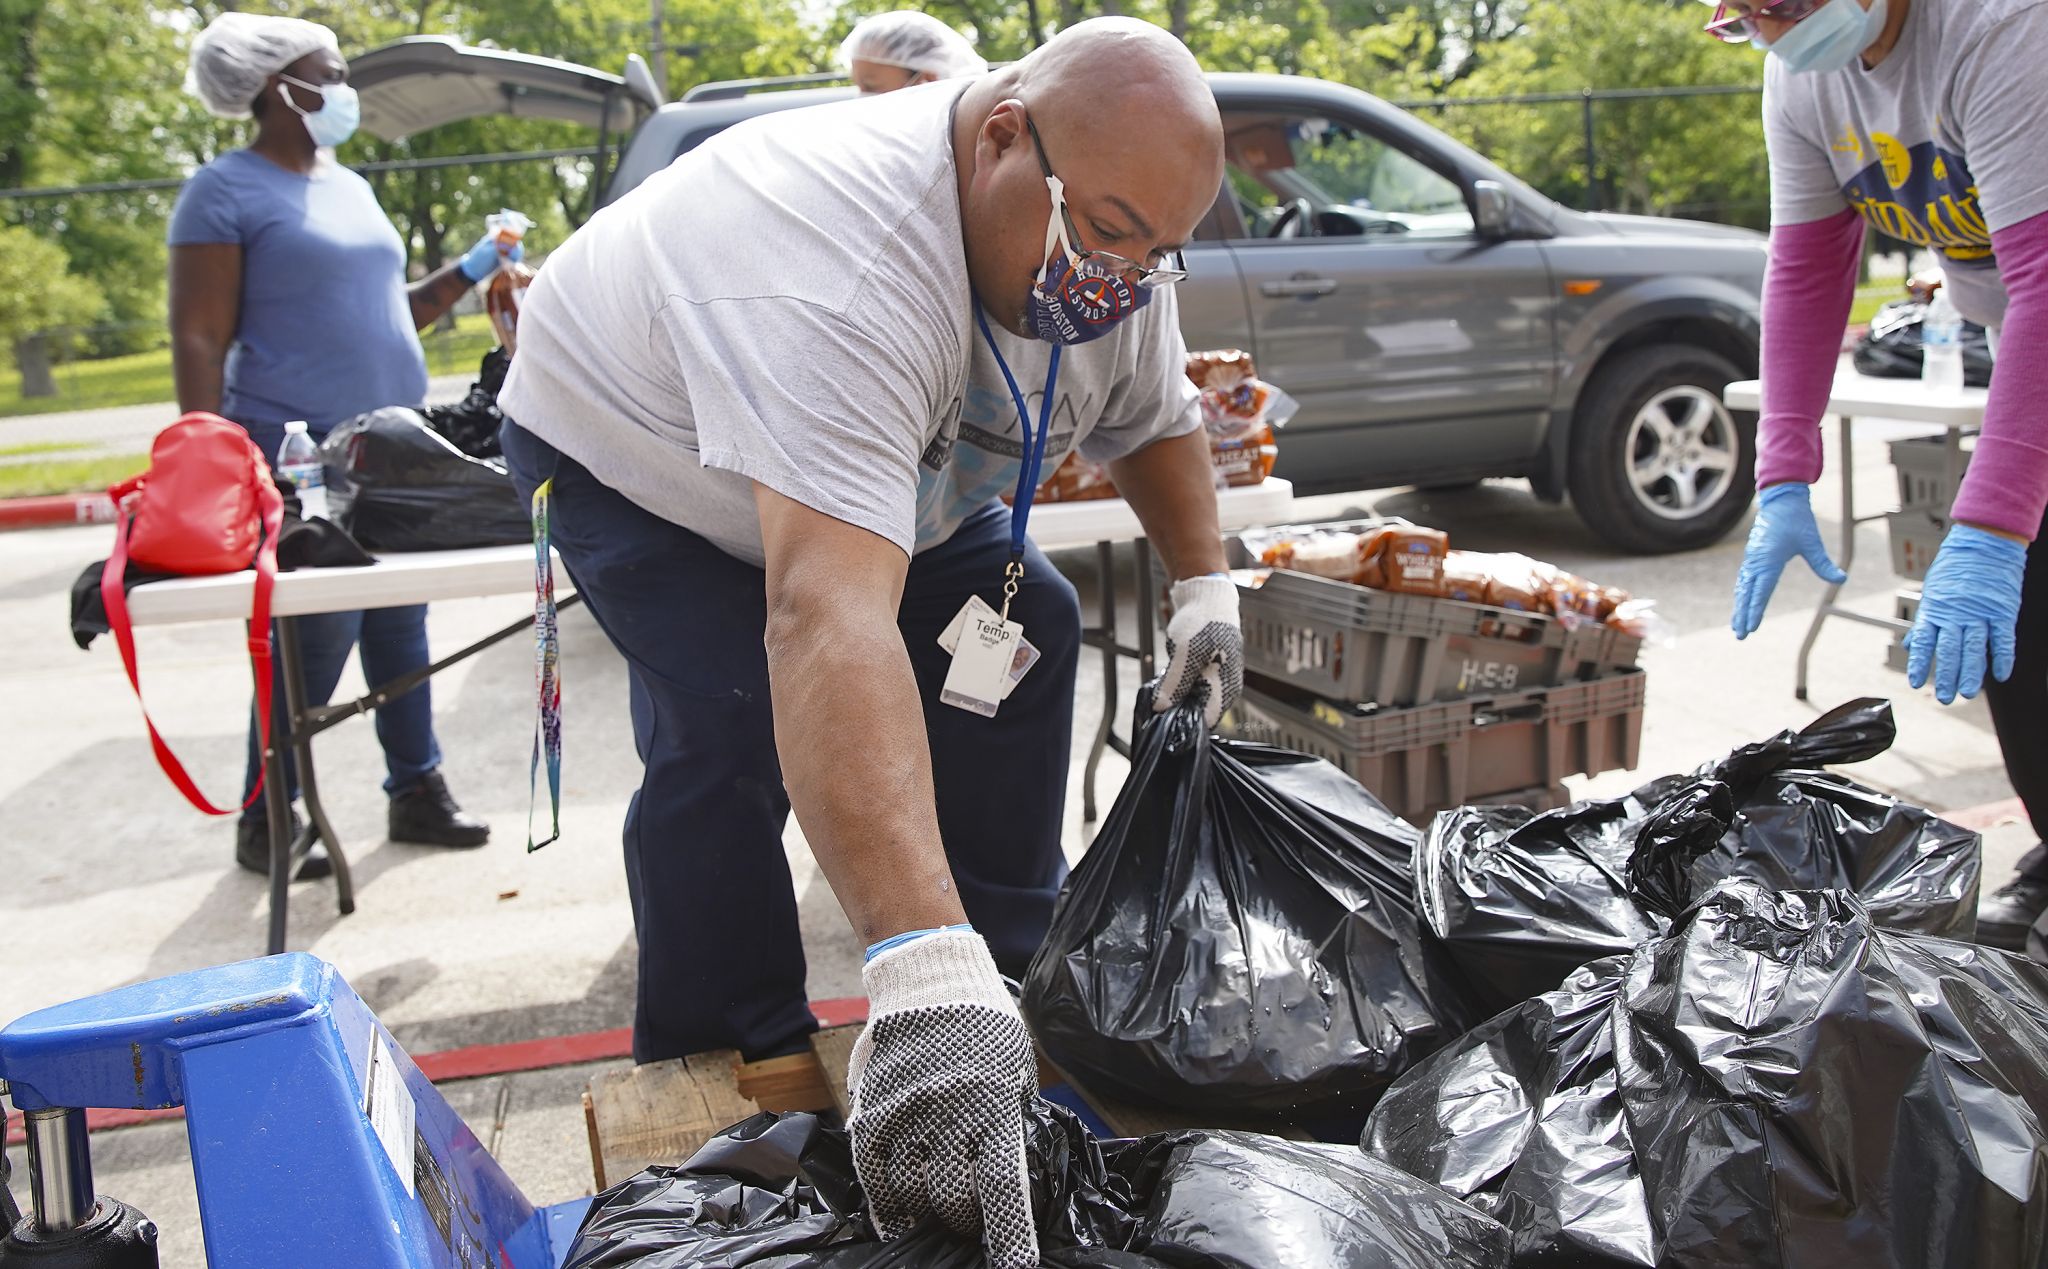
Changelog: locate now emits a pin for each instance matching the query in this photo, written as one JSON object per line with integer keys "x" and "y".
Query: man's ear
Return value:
{"x": 1004, "y": 129}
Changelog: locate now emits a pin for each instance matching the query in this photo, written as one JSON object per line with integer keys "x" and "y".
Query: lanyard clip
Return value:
{"x": 1013, "y": 573}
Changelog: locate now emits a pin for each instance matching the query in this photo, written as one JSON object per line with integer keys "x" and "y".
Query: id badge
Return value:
{"x": 1026, "y": 655}
{"x": 982, "y": 660}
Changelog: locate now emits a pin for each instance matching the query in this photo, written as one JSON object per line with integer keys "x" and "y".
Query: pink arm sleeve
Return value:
{"x": 2007, "y": 484}
{"x": 1808, "y": 287}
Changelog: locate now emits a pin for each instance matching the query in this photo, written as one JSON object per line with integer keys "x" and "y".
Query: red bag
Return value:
{"x": 206, "y": 505}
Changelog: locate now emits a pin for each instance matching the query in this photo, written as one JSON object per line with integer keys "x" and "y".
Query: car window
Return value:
{"x": 1345, "y": 181}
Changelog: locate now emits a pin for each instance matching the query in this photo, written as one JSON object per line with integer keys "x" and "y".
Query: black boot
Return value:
{"x": 426, "y": 815}
{"x": 2006, "y": 914}
{"x": 252, "y": 850}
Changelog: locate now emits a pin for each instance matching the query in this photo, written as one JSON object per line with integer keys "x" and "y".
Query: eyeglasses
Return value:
{"x": 1742, "y": 27}
{"x": 1109, "y": 262}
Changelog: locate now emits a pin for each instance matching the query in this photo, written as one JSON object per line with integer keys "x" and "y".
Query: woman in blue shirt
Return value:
{"x": 289, "y": 301}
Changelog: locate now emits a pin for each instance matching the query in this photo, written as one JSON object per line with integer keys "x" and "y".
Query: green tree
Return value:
{"x": 40, "y": 298}
{"x": 1662, "y": 155}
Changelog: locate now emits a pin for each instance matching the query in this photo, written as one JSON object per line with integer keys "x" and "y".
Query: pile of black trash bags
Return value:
{"x": 779, "y": 1190}
{"x": 431, "y": 479}
{"x": 1738, "y": 1030}
{"x": 1516, "y": 900}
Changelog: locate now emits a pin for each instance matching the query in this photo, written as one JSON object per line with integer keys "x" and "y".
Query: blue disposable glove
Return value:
{"x": 1784, "y": 528}
{"x": 1971, "y": 598}
{"x": 484, "y": 259}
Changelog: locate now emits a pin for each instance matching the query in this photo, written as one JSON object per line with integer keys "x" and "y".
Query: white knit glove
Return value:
{"x": 940, "y": 1081}
{"x": 1204, "y": 648}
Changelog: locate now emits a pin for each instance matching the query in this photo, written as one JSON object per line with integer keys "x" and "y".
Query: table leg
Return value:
{"x": 1105, "y": 572}
{"x": 277, "y": 810}
{"x": 1845, "y": 460}
{"x": 1148, "y": 604}
{"x": 318, "y": 827}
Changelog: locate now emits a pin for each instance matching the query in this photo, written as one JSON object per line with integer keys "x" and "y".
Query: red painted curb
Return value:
{"x": 40, "y": 513}
{"x": 479, "y": 1060}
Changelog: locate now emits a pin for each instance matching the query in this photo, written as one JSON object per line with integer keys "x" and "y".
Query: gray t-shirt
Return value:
{"x": 1942, "y": 144}
{"x": 788, "y": 304}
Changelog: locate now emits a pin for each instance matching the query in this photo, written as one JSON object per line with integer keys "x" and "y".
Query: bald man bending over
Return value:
{"x": 778, "y": 391}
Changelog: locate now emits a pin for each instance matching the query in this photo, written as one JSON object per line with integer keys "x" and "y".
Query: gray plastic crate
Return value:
{"x": 1352, "y": 643}
{"x": 1427, "y": 758}
{"x": 1905, "y": 607}
{"x": 1922, "y": 463}
{"x": 1916, "y": 536}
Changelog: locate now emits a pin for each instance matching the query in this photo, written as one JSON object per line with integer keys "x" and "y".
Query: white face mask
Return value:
{"x": 339, "y": 113}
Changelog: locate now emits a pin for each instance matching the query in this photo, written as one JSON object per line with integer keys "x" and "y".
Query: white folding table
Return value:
{"x": 1956, "y": 410}
{"x": 427, "y": 576}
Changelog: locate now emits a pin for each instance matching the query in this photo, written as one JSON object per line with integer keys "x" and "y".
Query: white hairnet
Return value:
{"x": 914, "y": 41}
{"x": 238, "y": 51}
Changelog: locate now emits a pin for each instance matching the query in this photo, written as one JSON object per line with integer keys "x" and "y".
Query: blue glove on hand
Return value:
{"x": 1784, "y": 528}
{"x": 1971, "y": 597}
{"x": 484, "y": 259}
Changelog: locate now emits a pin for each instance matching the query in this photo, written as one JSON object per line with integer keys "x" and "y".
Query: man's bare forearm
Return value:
{"x": 849, "y": 728}
{"x": 1172, "y": 486}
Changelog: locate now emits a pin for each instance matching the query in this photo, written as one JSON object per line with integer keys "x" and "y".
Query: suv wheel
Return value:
{"x": 1658, "y": 462}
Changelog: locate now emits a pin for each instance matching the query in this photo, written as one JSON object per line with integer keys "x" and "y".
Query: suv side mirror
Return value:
{"x": 1493, "y": 210}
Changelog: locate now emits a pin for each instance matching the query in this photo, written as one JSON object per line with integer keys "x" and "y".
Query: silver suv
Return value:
{"x": 1439, "y": 321}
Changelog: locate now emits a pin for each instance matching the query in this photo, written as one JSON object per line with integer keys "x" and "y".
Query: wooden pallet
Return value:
{"x": 662, "y": 1112}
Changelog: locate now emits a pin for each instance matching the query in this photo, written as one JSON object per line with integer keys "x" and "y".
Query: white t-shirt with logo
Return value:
{"x": 788, "y": 304}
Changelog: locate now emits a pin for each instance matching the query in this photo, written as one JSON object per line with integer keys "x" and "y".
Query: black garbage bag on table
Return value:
{"x": 1518, "y": 899}
{"x": 397, "y": 485}
{"x": 471, "y": 424}
{"x": 779, "y": 1191}
{"x": 1778, "y": 1083}
{"x": 1239, "y": 937}
{"x": 1891, "y": 349}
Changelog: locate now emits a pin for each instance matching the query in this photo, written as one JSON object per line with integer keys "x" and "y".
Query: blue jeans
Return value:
{"x": 721, "y": 955}
{"x": 393, "y": 642}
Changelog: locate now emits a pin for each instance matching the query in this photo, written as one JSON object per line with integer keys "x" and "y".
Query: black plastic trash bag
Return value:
{"x": 1239, "y": 937}
{"x": 779, "y": 1190}
{"x": 1891, "y": 348}
{"x": 1776, "y": 1083}
{"x": 471, "y": 424}
{"x": 1519, "y": 899}
{"x": 397, "y": 485}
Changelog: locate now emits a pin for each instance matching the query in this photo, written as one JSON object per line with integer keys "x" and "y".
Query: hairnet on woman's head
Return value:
{"x": 914, "y": 41}
{"x": 238, "y": 51}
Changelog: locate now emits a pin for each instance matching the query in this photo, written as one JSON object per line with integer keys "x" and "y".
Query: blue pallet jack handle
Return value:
{"x": 316, "y": 1142}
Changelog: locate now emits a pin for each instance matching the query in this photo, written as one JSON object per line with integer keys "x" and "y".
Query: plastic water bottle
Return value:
{"x": 298, "y": 460}
{"x": 1941, "y": 344}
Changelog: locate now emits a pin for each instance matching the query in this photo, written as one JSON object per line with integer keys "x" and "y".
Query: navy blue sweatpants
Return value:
{"x": 721, "y": 958}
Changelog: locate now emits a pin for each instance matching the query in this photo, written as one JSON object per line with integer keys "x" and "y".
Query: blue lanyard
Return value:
{"x": 1034, "y": 445}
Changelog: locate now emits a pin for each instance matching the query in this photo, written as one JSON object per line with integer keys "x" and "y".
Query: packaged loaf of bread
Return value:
{"x": 1243, "y": 460}
{"x": 1466, "y": 575}
{"x": 1515, "y": 581}
{"x": 1409, "y": 561}
{"x": 1224, "y": 370}
{"x": 1340, "y": 555}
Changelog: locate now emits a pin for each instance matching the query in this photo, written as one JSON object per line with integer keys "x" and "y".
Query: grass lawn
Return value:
{"x": 68, "y": 475}
{"x": 40, "y": 447}
{"x": 145, "y": 378}
{"x": 1871, "y": 298}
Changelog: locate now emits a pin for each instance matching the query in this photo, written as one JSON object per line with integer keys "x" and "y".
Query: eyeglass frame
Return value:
{"x": 1742, "y": 28}
{"x": 1123, "y": 266}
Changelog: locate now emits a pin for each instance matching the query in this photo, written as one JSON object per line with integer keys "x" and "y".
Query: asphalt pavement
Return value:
{"x": 107, "y": 877}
